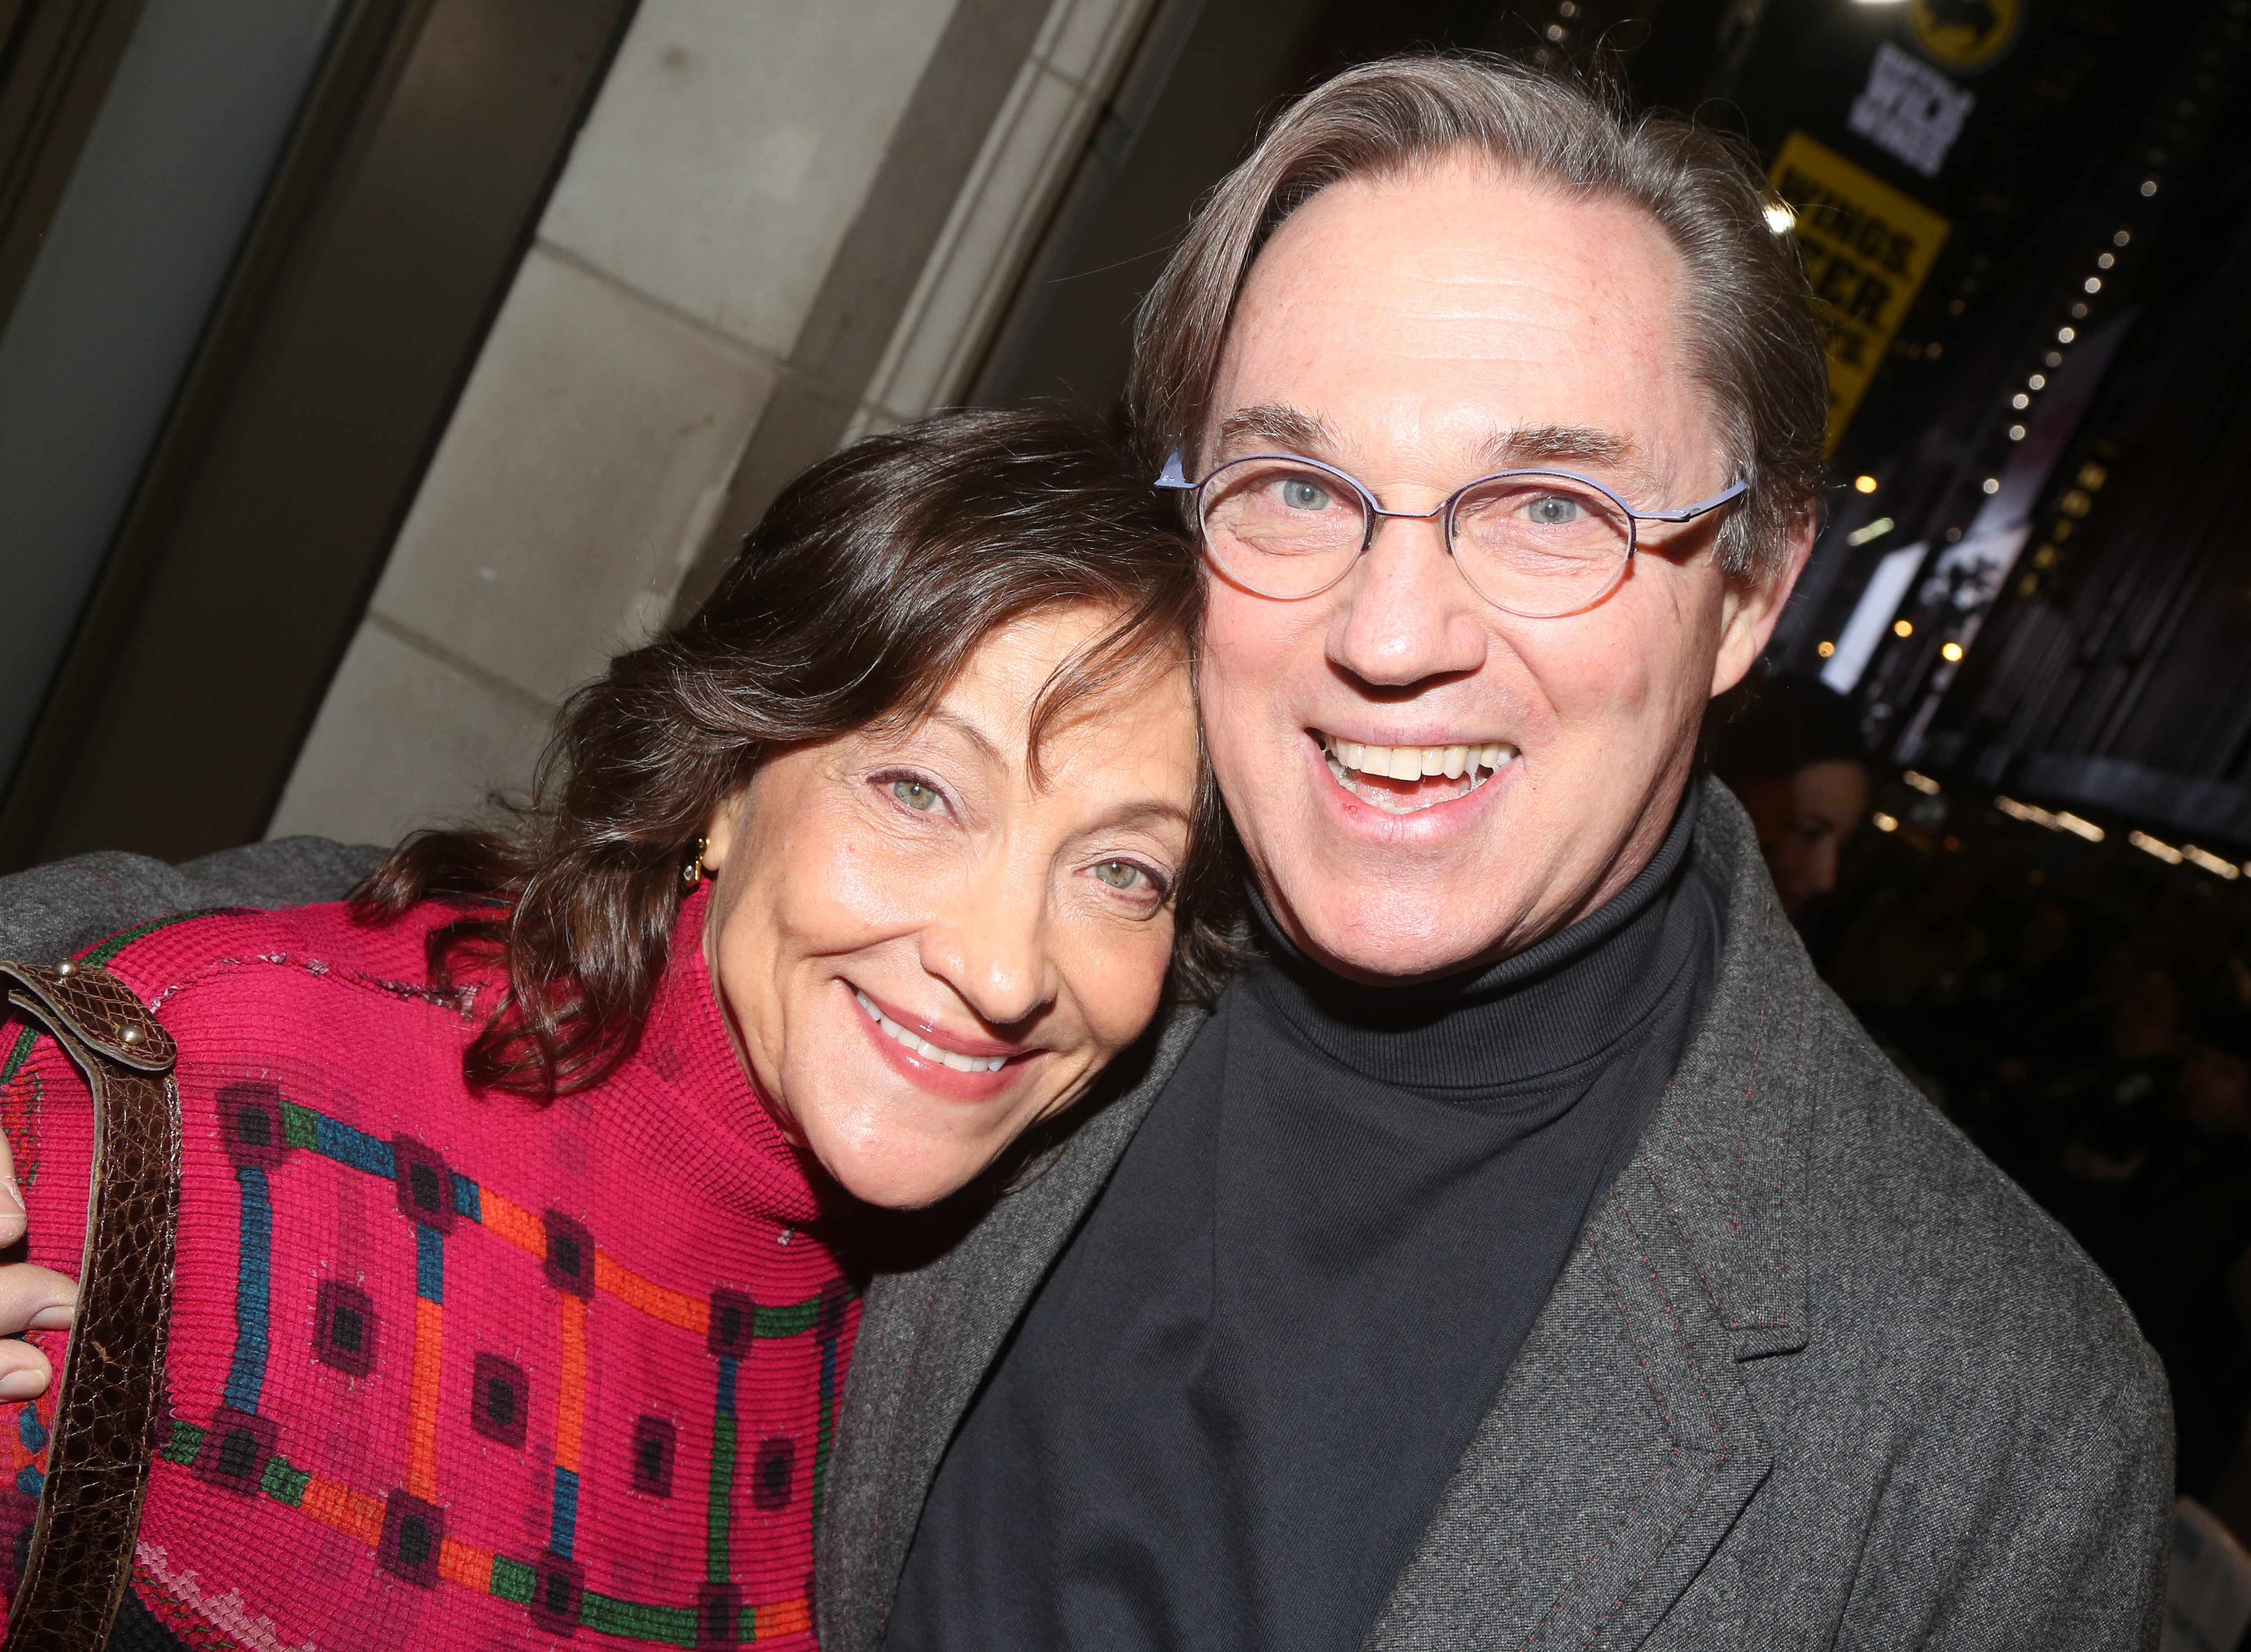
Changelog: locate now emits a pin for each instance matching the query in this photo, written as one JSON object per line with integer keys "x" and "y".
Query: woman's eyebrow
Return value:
{"x": 1150, "y": 809}
{"x": 986, "y": 747}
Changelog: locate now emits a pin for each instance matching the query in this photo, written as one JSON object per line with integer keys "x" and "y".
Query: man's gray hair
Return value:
{"x": 1749, "y": 329}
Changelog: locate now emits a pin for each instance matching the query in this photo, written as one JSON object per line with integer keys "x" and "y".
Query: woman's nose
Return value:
{"x": 990, "y": 946}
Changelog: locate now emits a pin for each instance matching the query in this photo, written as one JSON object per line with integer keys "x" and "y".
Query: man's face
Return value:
{"x": 1418, "y": 332}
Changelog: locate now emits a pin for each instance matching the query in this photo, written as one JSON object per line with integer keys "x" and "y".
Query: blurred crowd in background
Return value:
{"x": 2079, "y": 1005}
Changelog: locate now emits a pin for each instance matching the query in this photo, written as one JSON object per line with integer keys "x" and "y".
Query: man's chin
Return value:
{"x": 1415, "y": 940}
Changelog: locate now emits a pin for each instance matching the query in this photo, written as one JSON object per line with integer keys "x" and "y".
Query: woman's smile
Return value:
{"x": 945, "y": 1063}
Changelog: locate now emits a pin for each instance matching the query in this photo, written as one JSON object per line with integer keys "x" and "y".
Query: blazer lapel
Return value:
{"x": 1619, "y": 1453}
{"x": 928, "y": 1334}
{"x": 1624, "y": 1445}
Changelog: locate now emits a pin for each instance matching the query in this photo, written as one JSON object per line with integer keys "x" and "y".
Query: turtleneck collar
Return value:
{"x": 744, "y": 1161}
{"x": 1533, "y": 1020}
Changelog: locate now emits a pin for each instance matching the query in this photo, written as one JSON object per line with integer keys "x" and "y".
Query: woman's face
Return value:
{"x": 922, "y": 950}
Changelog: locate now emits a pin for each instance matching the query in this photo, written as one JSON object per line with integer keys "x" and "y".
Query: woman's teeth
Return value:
{"x": 923, "y": 1047}
{"x": 1478, "y": 763}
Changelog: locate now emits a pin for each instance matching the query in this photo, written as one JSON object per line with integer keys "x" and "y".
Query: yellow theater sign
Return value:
{"x": 1867, "y": 248}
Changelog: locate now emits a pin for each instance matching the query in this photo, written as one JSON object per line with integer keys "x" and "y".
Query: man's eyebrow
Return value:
{"x": 1271, "y": 424}
{"x": 1554, "y": 444}
{"x": 1275, "y": 424}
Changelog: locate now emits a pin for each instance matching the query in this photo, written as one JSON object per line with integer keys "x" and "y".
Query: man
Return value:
{"x": 1535, "y": 1253}
{"x": 1532, "y": 1253}
{"x": 1793, "y": 760}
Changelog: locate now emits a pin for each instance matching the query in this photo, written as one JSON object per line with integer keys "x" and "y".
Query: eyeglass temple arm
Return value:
{"x": 1689, "y": 513}
{"x": 1172, "y": 476}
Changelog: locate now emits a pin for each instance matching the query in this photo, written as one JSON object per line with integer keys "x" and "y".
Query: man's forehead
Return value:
{"x": 1441, "y": 245}
{"x": 1540, "y": 329}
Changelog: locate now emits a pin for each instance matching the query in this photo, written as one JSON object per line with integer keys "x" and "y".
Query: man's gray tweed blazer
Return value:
{"x": 1816, "y": 1375}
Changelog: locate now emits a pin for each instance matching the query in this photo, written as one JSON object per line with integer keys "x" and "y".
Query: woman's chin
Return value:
{"x": 901, "y": 1181}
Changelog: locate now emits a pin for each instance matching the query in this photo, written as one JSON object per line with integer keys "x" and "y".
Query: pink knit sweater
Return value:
{"x": 452, "y": 1370}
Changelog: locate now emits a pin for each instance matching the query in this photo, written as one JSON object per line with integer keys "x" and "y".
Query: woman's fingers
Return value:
{"x": 31, "y": 1298}
{"x": 24, "y": 1372}
{"x": 35, "y": 1298}
{"x": 12, "y": 1197}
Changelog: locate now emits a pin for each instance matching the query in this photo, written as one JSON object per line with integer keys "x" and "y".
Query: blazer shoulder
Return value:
{"x": 1922, "y": 1241}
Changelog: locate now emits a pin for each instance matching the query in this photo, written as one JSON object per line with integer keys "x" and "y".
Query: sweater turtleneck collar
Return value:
{"x": 743, "y": 1159}
{"x": 1533, "y": 1020}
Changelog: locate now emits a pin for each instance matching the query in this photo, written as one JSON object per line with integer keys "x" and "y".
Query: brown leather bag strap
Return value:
{"x": 112, "y": 1398}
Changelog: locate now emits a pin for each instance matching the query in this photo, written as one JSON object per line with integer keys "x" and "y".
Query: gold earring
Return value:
{"x": 691, "y": 872}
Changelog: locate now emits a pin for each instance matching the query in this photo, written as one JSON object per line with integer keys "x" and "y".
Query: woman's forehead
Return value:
{"x": 1057, "y": 667}
{"x": 1129, "y": 734}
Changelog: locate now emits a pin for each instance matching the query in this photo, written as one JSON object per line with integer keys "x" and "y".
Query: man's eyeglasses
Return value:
{"x": 1538, "y": 544}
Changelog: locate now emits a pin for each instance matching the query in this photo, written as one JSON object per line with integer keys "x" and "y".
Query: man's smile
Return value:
{"x": 1404, "y": 779}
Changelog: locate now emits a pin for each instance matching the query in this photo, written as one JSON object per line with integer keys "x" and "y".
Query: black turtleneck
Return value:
{"x": 1227, "y": 1417}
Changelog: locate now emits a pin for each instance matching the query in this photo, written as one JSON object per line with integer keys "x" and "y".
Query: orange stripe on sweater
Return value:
{"x": 340, "y": 1508}
{"x": 691, "y": 1314}
{"x": 512, "y": 1222}
{"x": 571, "y": 1388}
{"x": 527, "y": 1232}
{"x": 422, "y": 1401}
{"x": 784, "y": 1618}
{"x": 459, "y": 1563}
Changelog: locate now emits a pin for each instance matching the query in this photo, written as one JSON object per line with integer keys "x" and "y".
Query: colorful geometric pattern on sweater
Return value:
{"x": 438, "y": 1375}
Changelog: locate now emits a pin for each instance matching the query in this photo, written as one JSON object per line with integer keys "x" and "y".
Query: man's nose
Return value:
{"x": 991, "y": 946}
{"x": 1408, "y": 615}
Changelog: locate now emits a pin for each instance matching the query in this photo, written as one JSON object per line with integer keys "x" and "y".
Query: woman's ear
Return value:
{"x": 719, "y": 832}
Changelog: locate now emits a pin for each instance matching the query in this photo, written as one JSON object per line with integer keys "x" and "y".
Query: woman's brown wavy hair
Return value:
{"x": 857, "y": 600}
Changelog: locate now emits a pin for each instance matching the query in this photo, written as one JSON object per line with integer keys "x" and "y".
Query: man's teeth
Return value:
{"x": 1417, "y": 762}
{"x": 923, "y": 1047}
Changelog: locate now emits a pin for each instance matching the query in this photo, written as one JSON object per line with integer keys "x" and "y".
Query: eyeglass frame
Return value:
{"x": 1174, "y": 478}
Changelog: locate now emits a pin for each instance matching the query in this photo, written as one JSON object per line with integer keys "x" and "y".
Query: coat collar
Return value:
{"x": 1725, "y": 1157}
{"x": 1622, "y": 1445}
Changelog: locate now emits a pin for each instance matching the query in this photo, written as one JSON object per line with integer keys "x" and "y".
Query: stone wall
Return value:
{"x": 785, "y": 222}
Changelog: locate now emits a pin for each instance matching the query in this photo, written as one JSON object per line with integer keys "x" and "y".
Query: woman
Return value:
{"x": 510, "y": 1300}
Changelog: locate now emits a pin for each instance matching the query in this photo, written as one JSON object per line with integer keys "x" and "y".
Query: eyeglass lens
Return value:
{"x": 1533, "y": 543}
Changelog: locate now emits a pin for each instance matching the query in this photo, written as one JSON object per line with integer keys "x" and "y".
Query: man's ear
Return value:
{"x": 1749, "y": 609}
